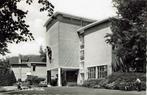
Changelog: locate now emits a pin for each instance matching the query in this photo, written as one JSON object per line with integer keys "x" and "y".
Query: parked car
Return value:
{"x": 43, "y": 84}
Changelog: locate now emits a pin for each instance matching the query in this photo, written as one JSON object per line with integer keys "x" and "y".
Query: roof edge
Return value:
{"x": 68, "y": 15}
{"x": 81, "y": 30}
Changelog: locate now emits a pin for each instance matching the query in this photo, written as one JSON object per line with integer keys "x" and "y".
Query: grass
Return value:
{"x": 76, "y": 91}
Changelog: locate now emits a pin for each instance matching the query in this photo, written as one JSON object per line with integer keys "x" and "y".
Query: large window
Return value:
{"x": 91, "y": 72}
{"x": 97, "y": 72}
{"x": 102, "y": 71}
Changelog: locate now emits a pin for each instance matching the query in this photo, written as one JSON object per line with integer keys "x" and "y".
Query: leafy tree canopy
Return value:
{"x": 13, "y": 27}
{"x": 128, "y": 36}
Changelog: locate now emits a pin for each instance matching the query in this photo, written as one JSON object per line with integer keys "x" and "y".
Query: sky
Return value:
{"x": 93, "y": 9}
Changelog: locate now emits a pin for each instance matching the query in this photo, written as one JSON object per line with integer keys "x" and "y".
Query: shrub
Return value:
{"x": 103, "y": 83}
{"x": 128, "y": 86}
{"x": 118, "y": 81}
{"x": 92, "y": 83}
{"x": 126, "y": 81}
{"x": 34, "y": 80}
{"x": 143, "y": 85}
{"x": 110, "y": 85}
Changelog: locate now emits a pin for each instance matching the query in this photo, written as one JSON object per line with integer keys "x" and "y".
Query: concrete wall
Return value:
{"x": 40, "y": 71}
{"x": 97, "y": 51}
{"x": 63, "y": 39}
{"x": 21, "y": 72}
{"x": 64, "y": 42}
{"x": 68, "y": 45}
{"x": 52, "y": 40}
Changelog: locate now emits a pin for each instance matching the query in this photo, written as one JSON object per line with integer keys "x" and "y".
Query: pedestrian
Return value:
{"x": 56, "y": 80}
{"x": 138, "y": 84}
{"x": 19, "y": 85}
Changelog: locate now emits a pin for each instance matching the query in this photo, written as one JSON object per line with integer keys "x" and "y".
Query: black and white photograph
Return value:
{"x": 73, "y": 47}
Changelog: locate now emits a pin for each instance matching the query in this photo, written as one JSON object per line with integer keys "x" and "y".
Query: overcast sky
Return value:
{"x": 94, "y": 9}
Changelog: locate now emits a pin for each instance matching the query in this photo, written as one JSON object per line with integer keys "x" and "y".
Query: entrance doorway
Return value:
{"x": 71, "y": 77}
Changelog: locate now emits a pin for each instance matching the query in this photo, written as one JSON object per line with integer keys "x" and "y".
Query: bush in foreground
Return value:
{"x": 34, "y": 80}
{"x": 118, "y": 81}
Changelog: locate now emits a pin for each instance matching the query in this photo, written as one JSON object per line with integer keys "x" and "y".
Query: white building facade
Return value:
{"x": 95, "y": 53}
{"x": 77, "y": 49}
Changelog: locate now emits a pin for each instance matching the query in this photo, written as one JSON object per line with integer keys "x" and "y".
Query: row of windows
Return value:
{"x": 101, "y": 72}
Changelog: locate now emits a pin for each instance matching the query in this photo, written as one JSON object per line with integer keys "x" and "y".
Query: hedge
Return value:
{"x": 118, "y": 81}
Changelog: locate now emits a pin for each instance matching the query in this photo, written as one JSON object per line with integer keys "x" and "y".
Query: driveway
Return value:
{"x": 74, "y": 91}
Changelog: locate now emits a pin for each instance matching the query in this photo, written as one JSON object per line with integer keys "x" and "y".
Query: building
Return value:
{"x": 76, "y": 49}
{"x": 23, "y": 67}
{"x": 95, "y": 53}
{"x": 63, "y": 40}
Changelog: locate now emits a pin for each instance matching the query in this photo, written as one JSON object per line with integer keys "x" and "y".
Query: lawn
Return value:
{"x": 75, "y": 91}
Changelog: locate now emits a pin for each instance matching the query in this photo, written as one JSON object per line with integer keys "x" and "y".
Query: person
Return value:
{"x": 19, "y": 85}
{"x": 56, "y": 79}
{"x": 138, "y": 84}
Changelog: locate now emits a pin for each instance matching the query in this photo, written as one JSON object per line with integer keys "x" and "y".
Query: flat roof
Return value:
{"x": 81, "y": 30}
{"x": 19, "y": 65}
{"x": 69, "y": 16}
{"x": 30, "y": 63}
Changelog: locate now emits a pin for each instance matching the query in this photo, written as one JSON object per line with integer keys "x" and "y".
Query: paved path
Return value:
{"x": 75, "y": 91}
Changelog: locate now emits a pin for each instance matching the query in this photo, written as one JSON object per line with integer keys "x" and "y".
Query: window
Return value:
{"x": 97, "y": 72}
{"x": 81, "y": 41}
{"x": 34, "y": 67}
{"x": 82, "y": 54}
{"x": 91, "y": 72}
{"x": 82, "y": 46}
{"x": 82, "y": 57}
{"x": 102, "y": 71}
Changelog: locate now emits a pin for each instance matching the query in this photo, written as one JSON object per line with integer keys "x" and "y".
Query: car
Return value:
{"x": 43, "y": 84}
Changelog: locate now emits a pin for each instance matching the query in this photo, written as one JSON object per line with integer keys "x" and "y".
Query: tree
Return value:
{"x": 7, "y": 76}
{"x": 4, "y": 63}
{"x": 128, "y": 37}
{"x": 13, "y": 27}
{"x": 42, "y": 54}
